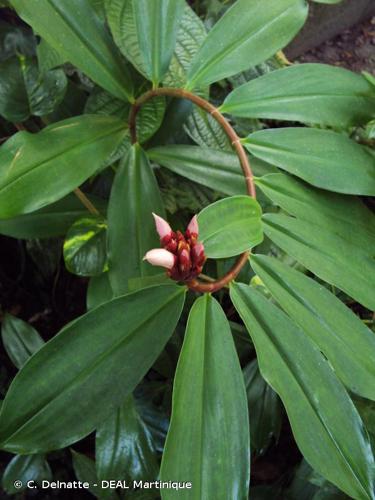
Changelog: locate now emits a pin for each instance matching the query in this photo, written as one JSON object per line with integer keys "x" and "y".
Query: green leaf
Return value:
{"x": 85, "y": 247}
{"x": 310, "y": 93}
{"x": 218, "y": 170}
{"x": 205, "y": 131}
{"x": 190, "y": 35}
{"x": 13, "y": 99}
{"x": 344, "y": 215}
{"x": 209, "y": 414}
{"x": 20, "y": 339}
{"x": 322, "y": 158}
{"x": 367, "y": 411}
{"x": 327, "y": 1}
{"x": 264, "y": 409}
{"x": 99, "y": 291}
{"x": 44, "y": 405}
{"x": 343, "y": 338}
{"x": 131, "y": 229}
{"x": 38, "y": 169}
{"x": 84, "y": 469}
{"x": 230, "y": 226}
{"x": 120, "y": 17}
{"x": 48, "y": 58}
{"x": 51, "y": 221}
{"x": 249, "y": 33}
{"x": 79, "y": 35}
{"x": 370, "y": 130}
{"x": 157, "y": 24}
{"x": 333, "y": 257}
{"x": 124, "y": 448}
{"x": 325, "y": 423}
{"x": 25, "y": 468}
{"x": 72, "y": 104}
{"x": 45, "y": 91}
{"x": 145, "y": 281}
{"x": 24, "y": 91}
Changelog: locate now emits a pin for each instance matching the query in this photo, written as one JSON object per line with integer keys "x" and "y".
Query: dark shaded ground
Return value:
{"x": 353, "y": 49}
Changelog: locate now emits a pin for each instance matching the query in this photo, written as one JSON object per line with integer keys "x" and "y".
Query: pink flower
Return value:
{"x": 182, "y": 254}
{"x": 193, "y": 228}
{"x": 162, "y": 227}
{"x": 160, "y": 257}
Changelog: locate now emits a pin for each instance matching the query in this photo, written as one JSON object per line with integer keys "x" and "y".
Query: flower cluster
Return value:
{"x": 182, "y": 254}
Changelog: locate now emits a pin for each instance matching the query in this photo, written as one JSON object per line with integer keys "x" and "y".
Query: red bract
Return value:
{"x": 182, "y": 254}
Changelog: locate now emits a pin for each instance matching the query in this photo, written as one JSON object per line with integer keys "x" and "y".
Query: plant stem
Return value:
{"x": 197, "y": 285}
{"x": 86, "y": 202}
{"x": 19, "y": 126}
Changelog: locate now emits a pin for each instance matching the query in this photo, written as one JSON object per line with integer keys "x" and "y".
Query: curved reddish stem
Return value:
{"x": 197, "y": 285}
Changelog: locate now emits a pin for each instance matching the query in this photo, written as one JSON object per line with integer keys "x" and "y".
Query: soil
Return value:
{"x": 353, "y": 49}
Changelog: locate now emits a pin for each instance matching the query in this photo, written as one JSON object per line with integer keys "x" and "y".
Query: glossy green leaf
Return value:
{"x": 85, "y": 247}
{"x": 325, "y": 423}
{"x": 99, "y": 291}
{"x": 344, "y": 215}
{"x": 77, "y": 372}
{"x": 44, "y": 91}
{"x": 75, "y": 30}
{"x": 218, "y": 170}
{"x": 249, "y": 33}
{"x": 343, "y": 338}
{"x": 124, "y": 448}
{"x": 265, "y": 409}
{"x": 331, "y": 256}
{"x": 120, "y": 17}
{"x": 25, "y": 468}
{"x": 51, "y": 221}
{"x": 367, "y": 411}
{"x": 131, "y": 228}
{"x": 20, "y": 339}
{"x": 144, "y": 281}
{"x": 310, "y": 93}
{"x": 190, "y": 35}
{"x": 48, "y": 58}
{"x": 38, "y": 169}
{"x": 72, "y": 104}
{"x": 230, "y": 226}
{"x": 24, "y": 91}
{"x": 322, "y": 158}
{"x": 12, "y": 106}
{"x": 370, "y": 130}
{"x": 209, "y": 414}
{"x": 84, "y": 469}
{"x": 157, "y": 24}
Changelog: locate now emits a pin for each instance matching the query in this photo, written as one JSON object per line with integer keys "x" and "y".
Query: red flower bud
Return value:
{"x": 192, "y": 229}
{"x": 183, "y": 255}
{"x": 197, "y": 254}
{"x": 163, "y": 229}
